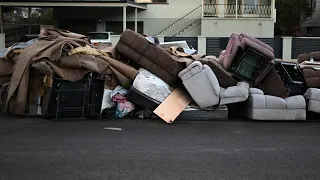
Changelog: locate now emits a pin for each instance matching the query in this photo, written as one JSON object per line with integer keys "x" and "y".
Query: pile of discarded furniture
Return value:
{"x": 61, "y": 75}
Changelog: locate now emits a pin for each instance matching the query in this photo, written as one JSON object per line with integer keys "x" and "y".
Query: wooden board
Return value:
{"x": 173, "y": 105}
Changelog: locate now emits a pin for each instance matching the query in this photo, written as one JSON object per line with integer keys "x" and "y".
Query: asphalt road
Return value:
{"x": 152, "y": 150}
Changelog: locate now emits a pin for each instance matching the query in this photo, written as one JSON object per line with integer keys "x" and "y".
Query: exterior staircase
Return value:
{"x": 182, "y": 25}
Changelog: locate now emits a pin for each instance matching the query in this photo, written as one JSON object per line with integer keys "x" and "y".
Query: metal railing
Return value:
{"x": 231, "y": 10}
{"x": 182, "y": 23}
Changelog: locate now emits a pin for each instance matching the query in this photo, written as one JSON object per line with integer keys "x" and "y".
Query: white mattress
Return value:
{"x": 151, "y": 85}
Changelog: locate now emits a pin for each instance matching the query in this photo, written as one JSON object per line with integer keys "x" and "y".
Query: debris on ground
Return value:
{"x": 112, "y": 129}
{"x": 61, "y": 74}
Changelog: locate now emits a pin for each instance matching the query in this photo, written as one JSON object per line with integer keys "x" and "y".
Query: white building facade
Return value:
{"x": 182, "y": 18}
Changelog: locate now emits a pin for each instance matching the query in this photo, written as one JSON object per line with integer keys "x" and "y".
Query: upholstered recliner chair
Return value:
{"x": 265, "y": 107}
{"x": 203, "y": 86}
{"x": 247, "y": 58}
{"x": 310, "y": 66}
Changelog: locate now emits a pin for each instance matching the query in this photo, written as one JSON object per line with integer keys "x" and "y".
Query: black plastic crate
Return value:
{"x": 95, "y": 95}
{"x": 71, "y": 101}
{"x": 80, "y": 99}
{"x": 291, "y": 75}
{"x": 66, "y": 99}
{"x": 289, "y": 70}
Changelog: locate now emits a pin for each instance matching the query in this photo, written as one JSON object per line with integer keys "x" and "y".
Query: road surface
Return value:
{"x": 151, "y": 150}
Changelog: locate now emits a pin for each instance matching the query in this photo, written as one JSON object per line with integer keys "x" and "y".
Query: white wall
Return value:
{"x": 215, "y": 27}
{"x": 159, "y": 16}
{"x": 2, "y": 41}
{"x": 101, "y": 26}
{"x": 174, "y": 9}
{"x": 115, "y": 39}
{"x": 193, "y": 31}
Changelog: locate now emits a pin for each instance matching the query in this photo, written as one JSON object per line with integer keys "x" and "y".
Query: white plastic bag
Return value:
{"x": 107, "y": 100}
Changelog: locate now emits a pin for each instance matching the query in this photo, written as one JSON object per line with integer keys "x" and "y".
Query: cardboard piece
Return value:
{"x": 182, "y": 44}
{"x": 173, "y": 105}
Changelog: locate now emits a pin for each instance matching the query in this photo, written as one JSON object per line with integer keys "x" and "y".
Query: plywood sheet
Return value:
{"x": 173, "y": 105}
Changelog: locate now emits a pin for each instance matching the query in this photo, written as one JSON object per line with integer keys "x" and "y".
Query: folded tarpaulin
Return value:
{"x": 45, "y": 32}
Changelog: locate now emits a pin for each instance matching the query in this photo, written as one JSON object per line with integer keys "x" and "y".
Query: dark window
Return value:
{"x": 28, "y": 37}
{"x": 17, "y": 23}
{"x": 159, "y": 1}
{"x": 233, "y": 2}
{"x": 98, "y": 35}
{"x": 14, "y": 32}
{"x": 265, "y": 2}
{"x": 309, "y": 31}
{"x": 116, "y": 26}
{"x": 81, "y": 26}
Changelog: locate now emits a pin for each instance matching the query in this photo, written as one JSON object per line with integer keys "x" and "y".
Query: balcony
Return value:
{"x": 237, "y": 11}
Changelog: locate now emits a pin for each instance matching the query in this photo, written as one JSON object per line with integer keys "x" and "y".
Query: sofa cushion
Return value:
{"x": 273, "y": 102}
{"x": 312, "y": 77}
{"x": 150, "y": 56}
{"x": 306, "y": 57}
{"x": 259, "y": 101}
{"x": 295, "y": 102}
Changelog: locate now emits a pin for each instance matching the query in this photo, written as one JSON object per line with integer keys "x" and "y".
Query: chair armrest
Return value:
{"x": 255, "y": 91}
{"x": 213, "y": 80}
{"x": 243, "y": 84}
{"x": 296, "y": 102}
{"x": 231, "y": 50}
{"x": 222, "y": 52}
{"x": 240, "y": 90}
{"x": 192, "y": 69}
